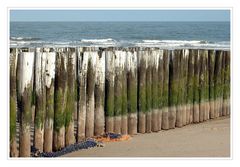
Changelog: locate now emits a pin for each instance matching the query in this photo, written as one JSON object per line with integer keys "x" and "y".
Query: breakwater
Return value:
{"x": 60, "y": 96}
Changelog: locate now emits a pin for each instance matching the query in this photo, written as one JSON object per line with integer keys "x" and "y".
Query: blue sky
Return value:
{"x": 119, "y": 15}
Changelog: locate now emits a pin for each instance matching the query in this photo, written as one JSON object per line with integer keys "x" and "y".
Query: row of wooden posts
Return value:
{"x": 120, "y": 90}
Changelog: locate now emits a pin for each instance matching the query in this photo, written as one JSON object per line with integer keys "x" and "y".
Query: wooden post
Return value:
{"x": 227, "y": 82}
{"x": 160, "y": 89}
{"x": 91, "y": 76}
{"x": 142, "y": 65}
{"x": 165, "y": 92}
{"x": 221, "y": 108}
{"x": 149, "y": 92}
{"x": 132, "y": 91}
{"x": 186, "y": 112}
{"x": 49, "y": 84}
{"x": 206, "y": 90}
{"x": 82, "y": 82}
{"x": 196, "y": 87}
{"x": 211, "y": 67}
{"x": 25, "y": 89}
{"x": 13, "y": 102}
{"x": 60, "y": 99}
{"x": 217, "y": 82}
{"x": 190, "y": 85}
{"x": 109, "y": 90}
{"x": 155, "y": 102}
{"x": 202, "y": 81}
{"x": 119, "y": 62}
{"x": 99, "y": 95}
{"x": 179, "y": 83}
{"x": 70, "y": 106}
{"x": 124, "y": 123}
{"x": 173, "y": 88}
{"x": 40, "y": 90}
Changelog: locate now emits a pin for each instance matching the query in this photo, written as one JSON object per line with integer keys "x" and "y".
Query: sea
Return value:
{"x": 121, "y": 34}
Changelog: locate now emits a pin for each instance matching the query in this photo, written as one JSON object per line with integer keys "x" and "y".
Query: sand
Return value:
{"x": 207, "y": 139}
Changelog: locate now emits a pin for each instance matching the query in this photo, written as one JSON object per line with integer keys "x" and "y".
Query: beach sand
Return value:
{"x": 207, "y": 139}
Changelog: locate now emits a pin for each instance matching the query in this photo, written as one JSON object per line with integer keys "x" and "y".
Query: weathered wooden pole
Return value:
{"x": 99, "y": 117}
{"x": 211, "y": 67}
{"x": 173, "y": 89}
{"x": 70, "y": 106}
{"x": 60, "y": 99}
{"x": 49, "y": 84}
{"x": 228, "y": 82}
{"x": 119, "y": 60}
{"x": 109, "y": 90}
{"x": 190, "y": 86}
{"x": 165, "y": 92}
{"x": 226, "y": 89}
{"x": 132, "y": 91}
{"x": 124, "y": 123}
{"x": 13, "y": 102}
{"x": 25, "y": 90}
{"x": 82, "y": 82}
{"x": 221, "y": 108}
{"x": 202, "y": 80}
{"x": 196, "y": 86}
{"x": 180, "y": 86}
{"x": 91, "y": 76}
{"x": 155, "y": 102}
{"x": 142, "y": 65}
{"x": 206, "y": 90}
{"x": 149, "y": 91}
{"x": 217, "y": 82}
{"x": 160, "y": 89}
{"x": 40, "y": 91}
{"x": 186, "y": 113}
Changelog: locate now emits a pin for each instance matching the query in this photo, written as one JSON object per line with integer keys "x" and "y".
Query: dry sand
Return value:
{"x": 207, "y": 139}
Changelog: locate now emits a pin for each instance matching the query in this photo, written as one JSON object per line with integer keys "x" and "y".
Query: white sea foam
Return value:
{"x": 109, "y": 42}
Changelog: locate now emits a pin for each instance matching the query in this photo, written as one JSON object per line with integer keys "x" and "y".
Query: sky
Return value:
{"x": 119, "y": 15}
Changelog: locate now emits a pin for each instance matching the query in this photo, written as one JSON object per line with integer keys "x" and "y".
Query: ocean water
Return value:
{"x": 124, "y": 34}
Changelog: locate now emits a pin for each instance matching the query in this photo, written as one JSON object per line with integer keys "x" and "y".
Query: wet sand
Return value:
{"x": 207, "y": 139}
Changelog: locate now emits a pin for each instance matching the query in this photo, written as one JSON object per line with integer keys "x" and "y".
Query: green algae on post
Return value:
{"x": 165, "y": 91}
{"x": 142, "y": 65}
{"x": 70, "y": 106}
{"x": 60, "y": 99}
{"x": 211, "y": 67}
{"x": 109, "y": 90}
{"x": 13, "y": 102}
{"x": 26, "y": 64}
{"x": 40, "y": 102}
{"x": 49, "y": 84}
{"x": 132, "y": 91}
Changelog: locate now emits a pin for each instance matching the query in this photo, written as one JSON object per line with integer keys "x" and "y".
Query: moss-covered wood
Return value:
{"x": 149, "y": 92}
{"x": 25, "y": 91}
{"x": 211, "y": 68}
{"x": 132, "y": 91}
{"x": 165, "y": 91}
{"x": 196, "y": 89}
{"x": 70, "y": 104}
{"x": 40, "y": 98}
{"x": 155, "y": 105}
{"x": 13, "y": 102}
{"x": 218, "y": 82}
{"x": 49, "y": 116}
{"x": 60, "y": 99}
{"x": 109, "y": 90}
